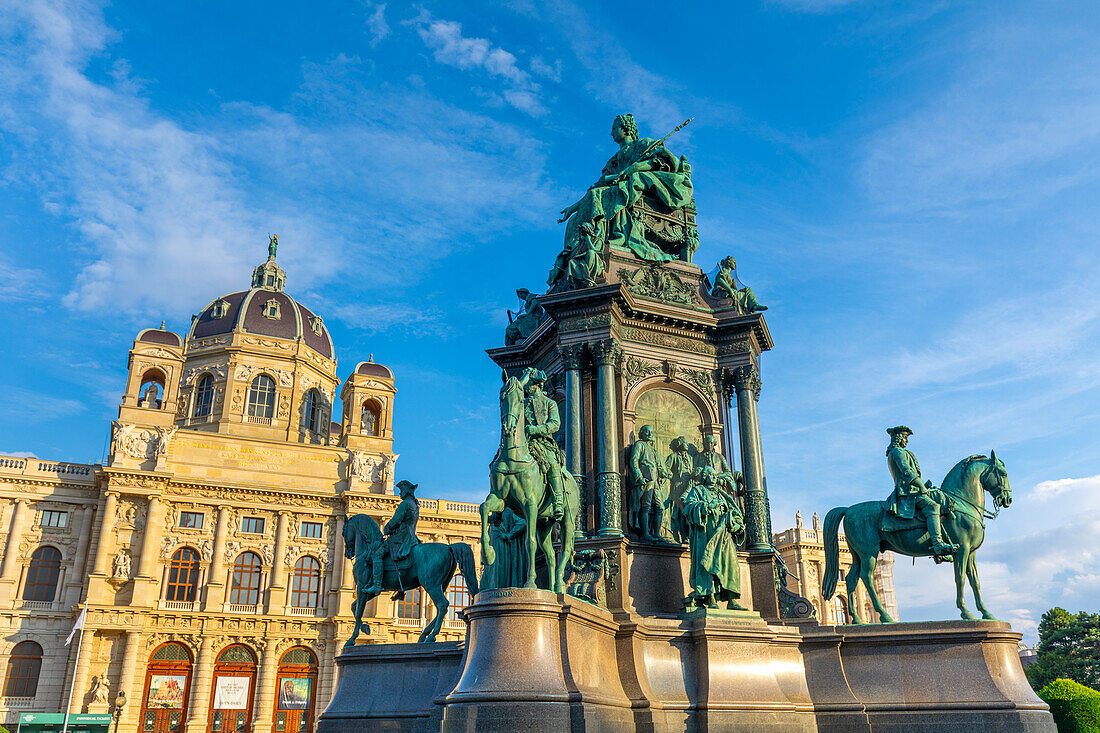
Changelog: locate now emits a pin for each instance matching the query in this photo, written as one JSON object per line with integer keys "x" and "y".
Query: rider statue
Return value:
{"x": 912, "y": 492}
{"x": 400, "y": 534}
{"x": 543, "y": 422}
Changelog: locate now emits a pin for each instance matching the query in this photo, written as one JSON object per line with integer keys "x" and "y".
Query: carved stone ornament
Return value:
{"x": 748, "y": 377}
{"x": 658, "y": 283}
{"x": 317, "y": 325}
{"x": 667, "y": 340}
{"x": 133, "y": 442}
{"x": 364, "y": 466}
{"x": 232, "y": 549}
{"x": 272, "y": 310}
{"x": 703, "y": 381}
{"x": 268, "y": 554}
{"x": 216, "y": 371}
{"x": 635, "y": 370}
{"x": 578, "y": 323}
{"x": 120, "y": 568}
{"x": 267, "y": 343}
{"x": 284, "y": 407}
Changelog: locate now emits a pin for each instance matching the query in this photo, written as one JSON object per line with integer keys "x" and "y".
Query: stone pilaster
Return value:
{"x": 571, "y": 357}
{"x": 198, "y": 706}
{"x": 608, "y": 482}
{"x": 76, "y": 581}
{"x": 341, "y": 593}
{"x": 131, "y": 680}
{"x": 9, "y": 572}
{"x": 145, "y": 582}
{"x": 106, "y": 533}
{"x": 83, "y": 651}
{"x": 264, "y": 701}
{"x": 215, "y": 584}
{"x": 276, "y": 600}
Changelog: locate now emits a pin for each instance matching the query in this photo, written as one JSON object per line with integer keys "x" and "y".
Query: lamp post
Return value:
{"x": 120, "y": 703}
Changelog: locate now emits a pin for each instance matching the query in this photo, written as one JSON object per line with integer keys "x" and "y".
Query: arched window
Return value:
{"x": 838, "y": 613}
{"x": 458, "y": 596}
{"x": 23, "y": 667}
{"x": 167, "y": 688}
{"x": 152, "y": 389}
{"x": 42, "y": 575}
{"x": 183, "y": 574}
{"x": 409, "y": 607}
{"x": 294, "y": 696}
{"x": 311, "y": 411}
{"x": 245, "y": 590}
{"x": 261, "y": 397}
{"x": 371, "y": 418}
{"x": 204, "y": 396}
{"x": 305, "y": 587}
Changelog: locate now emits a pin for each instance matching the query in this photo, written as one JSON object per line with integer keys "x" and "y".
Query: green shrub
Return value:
{"x": 1076, "y": 708}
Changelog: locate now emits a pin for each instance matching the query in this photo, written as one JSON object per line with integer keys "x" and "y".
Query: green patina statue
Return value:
{"x": 543, "y": 422}
{"x": 517, "y": 482}
{"x": 711, "y": 457}
{"x": 875, "y": 526}
{"x": 715, "y": 529}
{"x": 509, "y": 539}
{"x": 912, "y": 492}
{"x": 582, "y": 267}
{"x": 527, "y": 320}
{"x": 648, "y": 488}
{"x": 272, "y": 245}
{"x": 726, "y": 285}
{"x": 409, "y": 563}
{"x": 681, "y": 465}
{"x": 641, "y": 169}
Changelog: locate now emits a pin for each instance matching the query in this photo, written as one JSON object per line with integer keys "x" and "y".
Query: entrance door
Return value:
{"x": 295, "y": 692}
{"x": 234, "y": 686}
{"x": 167, "y": 686}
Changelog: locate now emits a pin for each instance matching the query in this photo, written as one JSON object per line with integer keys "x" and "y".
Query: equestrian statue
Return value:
{"x": 528, "y": 476}
{"x": 395, "y": 559}
{"x": 918, "y": 520}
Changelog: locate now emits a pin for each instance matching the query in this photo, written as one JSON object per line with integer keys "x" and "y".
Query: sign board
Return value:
{"x": 51, "y": 722}
{"x": 232, "y": 693}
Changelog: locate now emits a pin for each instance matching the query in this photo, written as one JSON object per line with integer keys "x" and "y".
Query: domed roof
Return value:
{"x": 160, "y": 336}
{"x": 264, "y": 310}
{"x": 370, "y": 369}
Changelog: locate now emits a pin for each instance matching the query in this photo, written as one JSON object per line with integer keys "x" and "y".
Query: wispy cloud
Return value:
{"x": 377, "y": 25}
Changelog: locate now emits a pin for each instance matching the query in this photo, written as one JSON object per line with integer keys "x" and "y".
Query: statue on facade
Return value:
{"x": 581, "y": 264}
{"x": 681, "y": 465}
{"x": 912, "y": 494}
{"x": 121, "y": 565}
{"x": 872, "y": 527}
{"x": 517, "y": 482}
{"x": 101, "y": 689}
{"x": 543, "y": 423}
{"x": 410, "y": 564}
{"x": 526, "y": 321}
{"x": 272, "y": 245}
{"x": 508, "y": 536}
{"x": 642, "y": 172}
{"x": 726, "y": 285}
{"x": 648, "y": 487}
{"x": 715, "y": 528}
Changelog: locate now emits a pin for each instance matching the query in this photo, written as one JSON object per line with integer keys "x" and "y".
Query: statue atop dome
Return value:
{"x": 643, "y": 202}
{"x": 272, "y": 245}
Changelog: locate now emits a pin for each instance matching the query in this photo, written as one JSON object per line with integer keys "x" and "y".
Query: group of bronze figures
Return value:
{"x": 643, "y": 203}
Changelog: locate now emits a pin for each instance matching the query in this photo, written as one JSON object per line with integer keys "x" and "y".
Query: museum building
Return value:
{"x": 209, "y": 549}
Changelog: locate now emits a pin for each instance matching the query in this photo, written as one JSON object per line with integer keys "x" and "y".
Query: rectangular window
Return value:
{"x": 410, "y": 606}
{"x": 191, "y": 520}
{"x": 252, "y": 525}
{"x": 52, "y": 518}
{"x": 311, "y": 530}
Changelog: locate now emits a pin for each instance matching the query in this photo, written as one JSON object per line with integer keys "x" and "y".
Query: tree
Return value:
{"x": 1069, "y": 648}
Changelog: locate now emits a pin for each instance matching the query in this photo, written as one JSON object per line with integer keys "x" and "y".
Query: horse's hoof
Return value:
{"x": 531, "y": 585}
{"x": 989, "y": 617}
{"x": 886, "y": 619}
{"x": 349, "y": 643}
{"x": 967, "y": 616}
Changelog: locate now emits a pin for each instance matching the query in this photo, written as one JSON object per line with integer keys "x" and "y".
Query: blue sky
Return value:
{"x": 912, "y": 187}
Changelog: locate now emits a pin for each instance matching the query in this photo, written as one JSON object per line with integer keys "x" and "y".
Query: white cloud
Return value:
{"x": 377, "y": 25}
{"x": 450, "y": 47}
{"x": 1057, "y": 487}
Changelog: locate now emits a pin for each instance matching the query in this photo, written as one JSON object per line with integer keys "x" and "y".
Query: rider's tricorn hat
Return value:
{"x": 538, "y": 376}
{"x": 403, "y": 486}
{"x": 899, "y": 430}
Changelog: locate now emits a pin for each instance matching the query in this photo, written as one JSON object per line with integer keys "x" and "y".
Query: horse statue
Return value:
{"x": 965, "y": 485}
{"x": 431, "y": 566}
{"x": 516, "y": 483}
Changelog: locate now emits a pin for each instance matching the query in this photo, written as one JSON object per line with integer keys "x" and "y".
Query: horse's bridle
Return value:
{"x": 998, "y": 498}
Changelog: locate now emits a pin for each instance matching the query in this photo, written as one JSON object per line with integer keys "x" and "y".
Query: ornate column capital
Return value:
{"x": 571, "y": 356}
{"x": 607, "y": 353}
{"x": 748, "y": 377}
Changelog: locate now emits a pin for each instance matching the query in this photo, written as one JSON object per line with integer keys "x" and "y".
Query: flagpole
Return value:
{"x": 76, "y": 666}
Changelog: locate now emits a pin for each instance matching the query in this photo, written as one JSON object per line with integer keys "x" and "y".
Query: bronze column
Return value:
{"x": 757, "y": 521}
{"x": 608, "y": 491}
{"x": 571, "y": 358}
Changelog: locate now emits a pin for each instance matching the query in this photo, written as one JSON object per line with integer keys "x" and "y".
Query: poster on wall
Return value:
{"x": 294, "y": 693}
{"x": 232, "y": 693}
{"x": 166, "y": 691}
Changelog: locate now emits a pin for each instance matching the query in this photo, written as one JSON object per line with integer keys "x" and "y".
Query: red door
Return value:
{"x": 233, "y": 689}
{"x": 167, "y": 686}
{"x": 295, "y": 692}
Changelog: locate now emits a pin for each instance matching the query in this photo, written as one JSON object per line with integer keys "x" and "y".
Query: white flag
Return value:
{"x": 78, "y": 625}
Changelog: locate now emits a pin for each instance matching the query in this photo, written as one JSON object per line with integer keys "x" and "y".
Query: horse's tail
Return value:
{"x": 464, "y": 556}
{"x": 832, "y": 552}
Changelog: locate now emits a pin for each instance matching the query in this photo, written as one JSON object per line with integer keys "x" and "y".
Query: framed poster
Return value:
{"x": 294, "y": 693}
{"x": 232, "y": 693}
{"x": 166, "y": 691}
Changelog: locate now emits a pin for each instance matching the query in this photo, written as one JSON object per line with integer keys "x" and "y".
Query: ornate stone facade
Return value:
{"x": 803, "y": 551}
{"x": 215, "y": 524}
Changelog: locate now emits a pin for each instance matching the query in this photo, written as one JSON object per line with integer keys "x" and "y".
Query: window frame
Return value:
{"x": 35, "y": 568}
{"x": 185, "y": 515}
{"x": 370, "y": 406}
{"x": 60, "y": 514}
{"x": 253, "y": 570}
{"x": 184, "y": 590}
{"x": 406, "y": 606}
{"x": 246, "y": 522}
{"x": 458, "y": 596}
{"x": 261, "y": 398}
{"x": 29, "y": 665}
{"x": 306, "y": 534}
{"x": 204, "y": 397}
{"x": 307, "y": 571}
